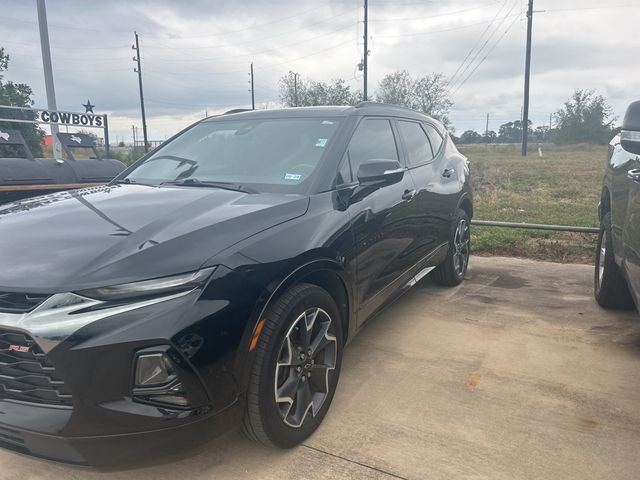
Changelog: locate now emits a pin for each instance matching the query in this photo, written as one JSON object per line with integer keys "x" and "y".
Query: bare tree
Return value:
{"x": 427, "y": 94}
{"x": 294, "y": 91}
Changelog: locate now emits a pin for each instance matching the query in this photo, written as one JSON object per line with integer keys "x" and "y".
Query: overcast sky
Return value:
{"x": 196, "y": 53}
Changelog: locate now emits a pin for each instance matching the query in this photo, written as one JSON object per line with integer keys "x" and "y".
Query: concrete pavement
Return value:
{"x": 516, "y": 374}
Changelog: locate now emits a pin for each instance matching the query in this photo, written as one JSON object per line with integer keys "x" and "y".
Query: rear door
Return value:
{"x": 384, "y": 231}
{"x": 423, "y": 157}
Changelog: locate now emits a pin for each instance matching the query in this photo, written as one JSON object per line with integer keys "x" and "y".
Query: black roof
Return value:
{"x": 362, "y": 108}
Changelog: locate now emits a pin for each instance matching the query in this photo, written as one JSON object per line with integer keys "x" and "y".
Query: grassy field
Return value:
{"x": 561, "y": 187}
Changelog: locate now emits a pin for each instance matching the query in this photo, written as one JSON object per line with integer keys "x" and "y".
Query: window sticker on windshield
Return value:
{"x": 327, "y": 122}
{"x": 321, "y": 142}
{"x": 292, "y": 176}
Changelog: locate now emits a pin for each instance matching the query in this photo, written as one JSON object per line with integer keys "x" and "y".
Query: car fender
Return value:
{"x": 245, "y": 355}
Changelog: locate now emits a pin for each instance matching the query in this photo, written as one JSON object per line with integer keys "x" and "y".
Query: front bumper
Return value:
{"x": 103, "y": 424}
{"x": 31, "y": 433}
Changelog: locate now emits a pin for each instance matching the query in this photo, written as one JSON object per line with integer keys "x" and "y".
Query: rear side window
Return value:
{"x": 373, "y": 139}
{"x": 435, "y": 137}
{"x": 418, "y": 145}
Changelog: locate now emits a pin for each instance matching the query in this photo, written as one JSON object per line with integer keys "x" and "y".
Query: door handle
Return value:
{"x": 634, "y": 174}
{"x": 448, "y": 172}
{"x": 409, "y": 194}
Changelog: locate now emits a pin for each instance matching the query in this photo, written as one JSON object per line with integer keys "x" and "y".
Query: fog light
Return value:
{"x": 156, "y": 381}
{"x": 153, "y": 370}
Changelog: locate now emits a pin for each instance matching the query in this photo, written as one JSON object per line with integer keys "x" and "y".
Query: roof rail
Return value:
{"x": 237, "y": 110}
{"x": 369, "y": 103}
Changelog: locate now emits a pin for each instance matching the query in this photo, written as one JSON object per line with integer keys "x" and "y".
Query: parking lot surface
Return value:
{"x": 515, "y": 374}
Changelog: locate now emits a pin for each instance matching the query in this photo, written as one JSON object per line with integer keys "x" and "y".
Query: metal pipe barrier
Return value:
{"x": 535, "y": 226}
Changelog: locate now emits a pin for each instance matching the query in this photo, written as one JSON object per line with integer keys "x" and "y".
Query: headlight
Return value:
{"x": 150, "y": 288}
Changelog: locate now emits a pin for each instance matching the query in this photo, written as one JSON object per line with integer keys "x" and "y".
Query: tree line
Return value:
{"x": 584, "y": 118}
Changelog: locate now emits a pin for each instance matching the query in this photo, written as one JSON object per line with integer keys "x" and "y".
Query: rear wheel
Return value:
{"x": 296, "y": 367}
{"x": 451, "y": 272}
{"x": 610, "y": 287}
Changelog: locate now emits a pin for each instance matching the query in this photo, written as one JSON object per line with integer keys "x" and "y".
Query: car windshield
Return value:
{"x": 266, "y": 155}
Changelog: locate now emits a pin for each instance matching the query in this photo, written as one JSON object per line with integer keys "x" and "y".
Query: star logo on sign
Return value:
{"x": 88, "y": 108}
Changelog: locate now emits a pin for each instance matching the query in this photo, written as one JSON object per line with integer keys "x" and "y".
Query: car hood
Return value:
{"x": 115, "y": 234}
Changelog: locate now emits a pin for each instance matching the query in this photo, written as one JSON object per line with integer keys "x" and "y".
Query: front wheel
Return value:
{"x": 296, "y": 367}
{"x": 610, "y": 287}
{"x": 451, "y": 272}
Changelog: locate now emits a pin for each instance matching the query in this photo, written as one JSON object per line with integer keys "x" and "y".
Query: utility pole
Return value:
{"x": 48, "y": 75}
{"x": 486, "y": 129}
{"x": 136, "y": 47}
{"x": 366, "y": 49}
{"x": 253, "y": 96}
{"x": 133, "y": 132}
{"x": 527, "y": 74}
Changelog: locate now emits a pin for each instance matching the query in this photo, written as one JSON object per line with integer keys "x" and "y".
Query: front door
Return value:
{"x": 384, "y": 232}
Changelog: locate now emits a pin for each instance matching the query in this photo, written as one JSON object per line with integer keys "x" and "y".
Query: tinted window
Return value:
{"x": 417, "y": 143}
{"x": 269, "y": 154}
{"x": 435, "y": 137}
{"x": 372, "y": 140}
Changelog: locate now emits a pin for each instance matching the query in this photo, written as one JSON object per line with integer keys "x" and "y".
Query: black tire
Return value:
{"x": 451, "y": 273}
{"x": 610, "y": 287}
{"x": 265, "y": 420}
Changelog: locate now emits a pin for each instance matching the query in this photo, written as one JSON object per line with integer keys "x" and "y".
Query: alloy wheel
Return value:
{"x": 461, "y": 248}
{"x": 307, "y": 357}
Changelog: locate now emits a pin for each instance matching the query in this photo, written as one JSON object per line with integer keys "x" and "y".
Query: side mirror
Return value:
{"x": 630, "y": 134}
{"x": 380, "y": 171}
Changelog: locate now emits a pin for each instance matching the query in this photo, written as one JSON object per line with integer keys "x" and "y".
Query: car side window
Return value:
{"x": 435, "y": 137}
{"x": 373, "y": 139}
{"x": 417, "y": 143}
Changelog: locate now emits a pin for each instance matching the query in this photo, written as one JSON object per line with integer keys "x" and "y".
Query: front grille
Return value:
{"x": 27, "y": 375}
{"x": 19, "y": 302}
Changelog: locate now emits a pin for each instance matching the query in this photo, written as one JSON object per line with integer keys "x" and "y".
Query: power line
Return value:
{"x": 252, "y": 27}
{"x": 413, "y": 34}
{"x": 452, "y": 78}
{"x": 488, "y": 53}
{"x": 484, "y": 45}
{"x": 446, "y": 14}
{"x": 253, "y": 54}
{"x": 254, "y": 40}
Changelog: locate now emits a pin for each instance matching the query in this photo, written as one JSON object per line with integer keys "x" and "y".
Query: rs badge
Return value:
{"x": 18, "y": 348}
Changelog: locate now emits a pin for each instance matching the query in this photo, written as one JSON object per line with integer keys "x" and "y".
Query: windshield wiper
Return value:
{"x": 194, "y": 182}
{"x": 128, "y": 181}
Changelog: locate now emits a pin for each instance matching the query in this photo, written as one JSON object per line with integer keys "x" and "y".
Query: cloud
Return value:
{"x": 196, "y": 54}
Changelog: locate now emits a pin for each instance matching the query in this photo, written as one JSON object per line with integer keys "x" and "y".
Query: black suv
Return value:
{"x": 617, "y": 275}
{"x": 216, "y": 281}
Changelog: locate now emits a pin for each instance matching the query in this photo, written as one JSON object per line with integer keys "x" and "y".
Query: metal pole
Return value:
{"x": 253, "y": 98}
{"x": 106, "y": 135}
{"x": 527, "y": 74}
{"x": 535, "y": 226}
{"x": 136, "y": 47}
{"x": 486, "y": 129}
{"x": 366, "y": 49}
{"x": 48, "y": 75}
{"x": 295, "y": 89}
